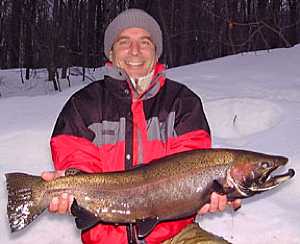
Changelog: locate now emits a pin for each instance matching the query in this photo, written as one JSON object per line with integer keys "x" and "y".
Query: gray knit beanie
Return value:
{"x": 133, "y": 18}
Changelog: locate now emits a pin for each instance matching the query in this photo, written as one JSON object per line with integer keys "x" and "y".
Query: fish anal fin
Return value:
{"x": 84, "y": 219}
{"x": 145, "y": 226}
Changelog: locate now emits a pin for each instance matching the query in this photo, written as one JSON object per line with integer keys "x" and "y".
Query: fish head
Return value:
{"x": 252, "y": 173}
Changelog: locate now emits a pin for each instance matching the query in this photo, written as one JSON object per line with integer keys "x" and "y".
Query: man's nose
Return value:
{"x": 134, "y": 48}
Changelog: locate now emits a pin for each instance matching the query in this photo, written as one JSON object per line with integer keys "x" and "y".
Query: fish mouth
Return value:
{"x": 268, "y": 181}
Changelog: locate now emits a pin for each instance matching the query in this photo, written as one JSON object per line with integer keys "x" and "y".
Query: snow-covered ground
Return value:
{"x": 252, "y": 101}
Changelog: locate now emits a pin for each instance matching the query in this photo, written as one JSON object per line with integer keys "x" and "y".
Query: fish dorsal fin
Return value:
{"x": 73, "y": 171}
{"x": 145, "y": 226}
{"x": 84, "y": 219}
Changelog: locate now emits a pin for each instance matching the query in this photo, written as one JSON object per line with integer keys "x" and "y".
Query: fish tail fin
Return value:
{"x": 25, "y": 197}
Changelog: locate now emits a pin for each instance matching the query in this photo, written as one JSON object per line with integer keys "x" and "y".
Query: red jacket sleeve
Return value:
{"x": 199, "y": 139}
{"x": 72, "y": 141}
{"x": 75, "y": 152}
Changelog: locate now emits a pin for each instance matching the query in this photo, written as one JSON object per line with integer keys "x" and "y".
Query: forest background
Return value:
{"x": 59, "y": 34}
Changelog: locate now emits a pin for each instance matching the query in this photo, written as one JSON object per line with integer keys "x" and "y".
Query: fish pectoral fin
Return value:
{"x": 218, "y": 187}
{"x": 145, "y": 226}
{"x": 84, "y": 219}
{"x": 228, "y": 191}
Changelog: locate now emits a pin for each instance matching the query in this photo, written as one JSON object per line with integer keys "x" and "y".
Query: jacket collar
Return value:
{"x": 120, "y": 83}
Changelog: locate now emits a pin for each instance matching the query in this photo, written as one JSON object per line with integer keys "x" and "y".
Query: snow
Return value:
{"x": 252, "y": 102}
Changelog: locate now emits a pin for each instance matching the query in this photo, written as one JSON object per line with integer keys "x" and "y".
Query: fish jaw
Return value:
{"x": 271, "y": 182}
{"x": 252, "y": 177}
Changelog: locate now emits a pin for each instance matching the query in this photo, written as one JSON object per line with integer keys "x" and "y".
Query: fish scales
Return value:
{"x": 169, "y": 188}
{"x": 130, "y": 202}
{"x": 130, "y": 195}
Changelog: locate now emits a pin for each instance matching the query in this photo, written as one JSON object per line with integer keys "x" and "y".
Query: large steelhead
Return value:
{"x": 167, "y": 189}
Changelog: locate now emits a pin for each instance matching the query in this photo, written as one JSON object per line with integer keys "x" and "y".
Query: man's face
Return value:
{"x": 134, "y": 51}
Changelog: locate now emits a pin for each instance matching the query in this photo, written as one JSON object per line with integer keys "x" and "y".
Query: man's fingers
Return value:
{"x": 53, "y": 206}
{"x": 204, "y": 209}
{"x": 71, "y": 199}
{"x": 219, "y": 203}
{"x": 222, "y": 202}
{"x": 51, "y": 175}
{"x": 214, "y": 202}
{"x": 46, "y": 175}
{"x": 63, "y": 204}
{"x": 236, "y": 204}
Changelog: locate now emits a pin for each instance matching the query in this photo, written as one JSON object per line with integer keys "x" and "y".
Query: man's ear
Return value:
{"x": 110, "y": 55}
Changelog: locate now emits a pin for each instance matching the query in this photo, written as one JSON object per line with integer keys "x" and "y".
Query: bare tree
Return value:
{"x": 63, "y": 33}
{"x": 294, "y": 6}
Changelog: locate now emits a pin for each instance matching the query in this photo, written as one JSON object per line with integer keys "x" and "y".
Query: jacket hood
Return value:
{"x": 118, "y": 74}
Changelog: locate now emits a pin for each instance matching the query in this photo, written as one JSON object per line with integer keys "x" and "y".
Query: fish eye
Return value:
{"x": 265, "y": 165}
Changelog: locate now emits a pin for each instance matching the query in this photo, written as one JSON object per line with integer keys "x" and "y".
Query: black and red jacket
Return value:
{"x": 103, "y": 128}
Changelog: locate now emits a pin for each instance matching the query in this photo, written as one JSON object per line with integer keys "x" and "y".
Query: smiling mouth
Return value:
{"x": 134, "y": 64}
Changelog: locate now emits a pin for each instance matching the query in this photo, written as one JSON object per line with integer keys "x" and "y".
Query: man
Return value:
{"x": 133, "y": 116}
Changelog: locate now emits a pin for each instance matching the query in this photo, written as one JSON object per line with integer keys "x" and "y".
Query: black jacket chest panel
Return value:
{"x": 176, "y": 100}
{"x": 100, "y": 102}
{"x": 104, "y": 100}
{"x": 108, "y": 102}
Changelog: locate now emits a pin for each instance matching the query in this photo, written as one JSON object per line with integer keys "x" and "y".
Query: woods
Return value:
{"x": 64, "y": 33}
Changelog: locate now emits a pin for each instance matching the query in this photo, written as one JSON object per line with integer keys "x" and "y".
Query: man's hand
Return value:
{"x": 218, "y": 203}
{"x": 62, "y": 203}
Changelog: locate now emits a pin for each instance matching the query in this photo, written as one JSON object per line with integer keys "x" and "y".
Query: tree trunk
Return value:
{"x": 15, "y": 29}
{"x": 294, "y": 19}
{"x": 85, "y": 40}
{"x": 30, "y": 16}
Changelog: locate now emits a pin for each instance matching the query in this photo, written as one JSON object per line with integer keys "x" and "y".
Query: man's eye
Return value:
{"x": 146, "y": 43}
{"x": 123, "y": 42}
